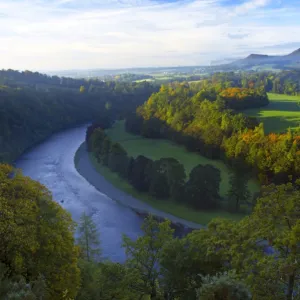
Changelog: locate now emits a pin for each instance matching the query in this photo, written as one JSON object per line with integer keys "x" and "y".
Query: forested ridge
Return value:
{"x": 33, "y": 106}
{"x": 283, "y": 82}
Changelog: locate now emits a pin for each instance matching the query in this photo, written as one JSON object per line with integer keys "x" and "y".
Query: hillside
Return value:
{"x": 291, "y": 60}
{"x": 34, "y": 106}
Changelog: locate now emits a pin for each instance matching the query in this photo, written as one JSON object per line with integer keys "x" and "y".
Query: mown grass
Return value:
{"x": 174, "y": 208}
{"x": 282, "y": 113}
{"x": 156, "y": 149}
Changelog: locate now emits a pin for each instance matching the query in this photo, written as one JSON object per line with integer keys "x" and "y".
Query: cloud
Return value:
{"x": 68, "y": 34}
{"x": 237, "y": 36}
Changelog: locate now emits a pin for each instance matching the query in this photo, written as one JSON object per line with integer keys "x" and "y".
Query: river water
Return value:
{"x": 52, "y": 164}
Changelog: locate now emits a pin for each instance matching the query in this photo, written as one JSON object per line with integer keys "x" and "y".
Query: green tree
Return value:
{"x": 202, "y": 188}
{"x": 159, "y": 187}
{"x": 140, "y": 172}
{"x": 145, "y": 253}
{"x": 222, "y": 287}
{"x": 37, "y": 235}
{"x": 184, "y": 260}
{"x": 89, "y": 286}
{"x": 274, "y": 224}
{"x": 238, "y": 192}
{"x": 88, "y": 238}
{"x": 115, "y": 281}
{"x": 118, "y": 160}
{"x": 175, "y": 175}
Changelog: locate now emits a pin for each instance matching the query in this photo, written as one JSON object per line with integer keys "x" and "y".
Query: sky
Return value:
{"x": 90, "y": 34}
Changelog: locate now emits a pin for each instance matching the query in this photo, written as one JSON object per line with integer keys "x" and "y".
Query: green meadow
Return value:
{"x": 159, "y": 148}
{"x": 282, "y": 113}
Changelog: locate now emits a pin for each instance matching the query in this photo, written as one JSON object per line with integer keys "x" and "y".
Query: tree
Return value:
{"x": 222, "y": 287}
{"x": 276, "y": 218}
{"x": 184, "y": 260}
{"x": 89, "y": 280}
{"x": 118, "y": 159}
{"x": 139, "y": 173}
{"x": 114, "y": 281}
{"x": 264, "y": 247}
{"x": 175, "y": 174}
{"x": 159, "y": 187}
{"x": 37, "y": 235}
{"x": 88, "y": 238}
{"x": 145, "y": 253}
{"x": 238, "y": 192}
{"x": 202, "y": 188}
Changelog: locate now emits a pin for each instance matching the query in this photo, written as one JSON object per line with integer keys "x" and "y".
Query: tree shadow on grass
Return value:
{"x": 292, "y": 106}
{"x": 279, "y": 124}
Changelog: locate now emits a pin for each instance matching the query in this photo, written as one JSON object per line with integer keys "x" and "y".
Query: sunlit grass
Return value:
{"x": 282, "y": 113}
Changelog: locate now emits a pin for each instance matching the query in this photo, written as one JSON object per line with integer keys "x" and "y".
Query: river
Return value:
{"x": 52, "y": 164}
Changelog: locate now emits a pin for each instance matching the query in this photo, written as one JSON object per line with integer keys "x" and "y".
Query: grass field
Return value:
{"x": 282, "y": 113}
{"x": 174, "y": 208}
{"x": 156, "y": 149}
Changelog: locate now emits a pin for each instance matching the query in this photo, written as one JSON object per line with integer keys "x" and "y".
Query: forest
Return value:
{"x": 283, "y": 82}
{"x": 211, "y": 128}
{"x": 34, "y": 106}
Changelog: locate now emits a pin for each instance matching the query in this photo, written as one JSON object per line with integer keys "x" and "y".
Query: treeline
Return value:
{"x": 256, "y": 258}
{"x": 284, "y": 82}
{"x": 163, "y": 179}
{"x": 209, "y": 128}
{"x": 132, "y": 77}
{"x": 29, "y": 114}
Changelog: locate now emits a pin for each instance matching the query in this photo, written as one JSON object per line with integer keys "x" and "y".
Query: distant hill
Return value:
{"x": 291, "y": 60}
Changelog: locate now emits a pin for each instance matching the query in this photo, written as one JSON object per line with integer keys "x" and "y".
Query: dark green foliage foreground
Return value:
{"x": 40, "y": 260}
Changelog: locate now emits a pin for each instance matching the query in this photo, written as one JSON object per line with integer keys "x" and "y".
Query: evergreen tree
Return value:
{"x": 88, "y": 239}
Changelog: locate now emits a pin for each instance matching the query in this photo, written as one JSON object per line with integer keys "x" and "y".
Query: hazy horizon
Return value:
{"x": 63, "y": 35}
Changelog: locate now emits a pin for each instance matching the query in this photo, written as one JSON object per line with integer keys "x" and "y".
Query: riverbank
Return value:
{"x": 114, "y": 187}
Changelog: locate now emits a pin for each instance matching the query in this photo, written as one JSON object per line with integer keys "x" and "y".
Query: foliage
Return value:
{"x": 202, "y": 188}
{"x": 145, "y": 253}
{"x": 264, "y": 247}
{"x": 36, "y": 235}
{"x": 163, "y": 178}
{"x": 222, "y": 287}
{"x": 34, "y": 106}
{"x": 88, "y": 238}
{"x": 238, "y": 193}
{"x": 216, "y": 132}
{"x": 284, "y": 82}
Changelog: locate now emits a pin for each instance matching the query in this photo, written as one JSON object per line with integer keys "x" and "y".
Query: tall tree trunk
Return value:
{"x": 291, "y": 287}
